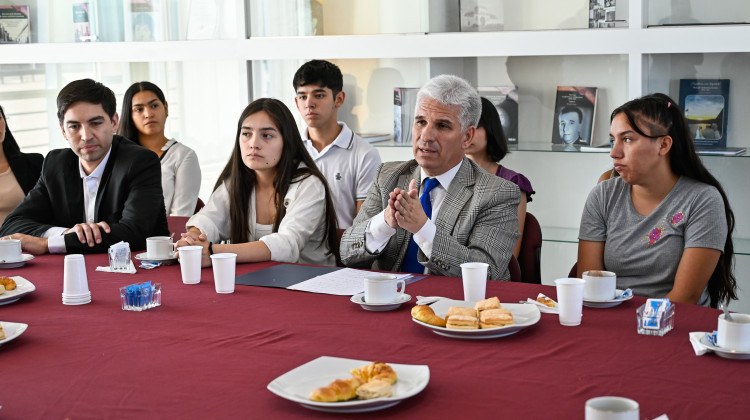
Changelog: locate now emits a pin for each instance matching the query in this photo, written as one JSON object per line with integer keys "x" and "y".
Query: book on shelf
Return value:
{"x": 15, "y": 25}
{"x": 481, "y": 15}
{"x": 82, "y": 23}
{"x": 505, "y": 99}
{"x": 604, "y": 14}
{"x": 705, "y": 103}
{"x": 575, "y": 107}
{"x": 144, "y": 20}
{"x": 375, "y": 137}
{"x": 404, "y": 103}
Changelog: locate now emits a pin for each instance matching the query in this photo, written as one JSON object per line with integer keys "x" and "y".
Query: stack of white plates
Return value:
{"x": 79, "y": 299}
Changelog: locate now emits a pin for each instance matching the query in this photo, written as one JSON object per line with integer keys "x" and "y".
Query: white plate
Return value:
{"x": 360, "y": 300}
{"x": 297, "y": 384}
{"x": 12, "y": 330}
{"x": 606, "y": 303}
{"x": 143, "y": 256}
{"x": 726, "y": 353}
{"x": 16, "y": 264}
{"x": 523, "y": 316}
{"x": 23, "y": 287}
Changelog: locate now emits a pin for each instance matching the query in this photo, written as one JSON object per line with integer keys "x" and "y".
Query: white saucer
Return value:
{"x": 726, "y": 353}
{"x": 359, "y": 299}
{"x": 606, "y": 303}
{"x": 143, "y": 256}
{"x": 16, "y": 264}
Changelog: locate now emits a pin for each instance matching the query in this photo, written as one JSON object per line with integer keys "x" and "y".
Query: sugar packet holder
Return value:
{"x": 655, "y": 317}
{"x": 140, "y": 296}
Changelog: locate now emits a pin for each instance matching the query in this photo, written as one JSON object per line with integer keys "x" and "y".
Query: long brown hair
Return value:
{"x": 240, "y": 180}
{"x": 660, "y": 113}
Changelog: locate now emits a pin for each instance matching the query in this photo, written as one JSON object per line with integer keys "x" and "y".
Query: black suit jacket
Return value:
{"x": 129, "y": 199}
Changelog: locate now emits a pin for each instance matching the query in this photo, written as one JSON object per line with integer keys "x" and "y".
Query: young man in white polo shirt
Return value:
{"x": 346, "y": 160}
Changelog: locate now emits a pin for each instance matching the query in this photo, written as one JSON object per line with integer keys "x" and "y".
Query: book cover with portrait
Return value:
{"x": 573, "y": 124}
{"x": 81, "y": 23}
{"x": 505, "y": 99}
{"x": 15, "y": 25}
{"x": 144, "y": 20}
{"x": 705, "y": 103}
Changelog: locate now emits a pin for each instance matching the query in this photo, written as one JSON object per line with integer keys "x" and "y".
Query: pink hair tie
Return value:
{"x": 669, "y": 104}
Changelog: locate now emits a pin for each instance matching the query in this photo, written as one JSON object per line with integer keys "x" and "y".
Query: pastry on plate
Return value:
{"x": 460, "y": 310}
{"x": 491, "y": 303}
{"x": 492, "y": 318}
{"x": 375, "y": 371}
{"x": 425, "y": 314}
{"x": 544, "y": 300}
{"x": 338, "y": 390}
{"x": 375, "y": 389}
{"x": 8, "y": 283}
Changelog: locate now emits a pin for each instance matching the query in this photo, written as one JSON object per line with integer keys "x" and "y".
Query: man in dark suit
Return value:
{"x": 102, "y": 190}
{"x": 474, "y": 215}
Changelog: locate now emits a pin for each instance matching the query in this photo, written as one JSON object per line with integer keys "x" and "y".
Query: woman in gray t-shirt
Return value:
{"x": 664, "y": 225}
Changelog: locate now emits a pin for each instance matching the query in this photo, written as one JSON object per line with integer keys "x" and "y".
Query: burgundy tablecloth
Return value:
{"x": 205, "y": 355}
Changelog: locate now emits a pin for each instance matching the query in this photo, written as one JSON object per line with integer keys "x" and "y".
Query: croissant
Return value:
{"x": 375, "y": 371}
{"x": 338, "y": 390}
{"x": 427, "y": 315}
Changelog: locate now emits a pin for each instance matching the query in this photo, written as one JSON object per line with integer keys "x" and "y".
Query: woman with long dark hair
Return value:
{"x": 488, "y": 148}
{"x": 664, "y": 226}
{"x": 143, "y": 119}
{"x": 18, "y": 171}
{"x": 270, "y": 202}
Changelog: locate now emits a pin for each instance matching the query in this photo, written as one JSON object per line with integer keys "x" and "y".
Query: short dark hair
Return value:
{"x": 127, "y": 125}
{"x": 319, "y": 72}
{"x": 86, "y": 90}
{"x": 497, "y": 143}
{"x": 571, "y": 108}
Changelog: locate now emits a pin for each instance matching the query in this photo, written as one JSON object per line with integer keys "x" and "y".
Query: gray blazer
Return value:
{"x": 477, "y": 222}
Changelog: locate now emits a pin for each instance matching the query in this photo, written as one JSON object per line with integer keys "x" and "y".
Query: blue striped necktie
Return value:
{"x": 411, "y": 265}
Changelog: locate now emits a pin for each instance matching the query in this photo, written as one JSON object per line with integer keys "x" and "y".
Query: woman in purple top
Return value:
{"x": 490, "y": 146}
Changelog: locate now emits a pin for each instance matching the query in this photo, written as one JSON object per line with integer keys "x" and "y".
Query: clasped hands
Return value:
{"x": 405, "y": 210}
{"x": 195, "y": 237}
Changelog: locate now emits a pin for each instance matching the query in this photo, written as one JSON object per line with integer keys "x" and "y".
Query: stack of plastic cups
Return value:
{"x": 75, "y": 283}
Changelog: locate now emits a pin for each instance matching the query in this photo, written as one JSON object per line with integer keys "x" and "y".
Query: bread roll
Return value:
{"x": 427, "y": 315}
{"x": 8, "y": 283}
{"x": 338, "y": 390}
{"x": 491, "y": 303}
{"x": 375, "y": 389}
{"x": 375, "y": 371}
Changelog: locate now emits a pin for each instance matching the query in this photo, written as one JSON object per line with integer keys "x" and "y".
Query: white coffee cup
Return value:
{"x": 190, "y": 263}
{"x": 383, "y": 288}
{"x": 159, "y": 247}
{"x": 224, "y": 267}
{"x": 734, "y": 334}
{"x": 10, "y": 250}
{"x": 612, "y": 408}
{"x": 75, "y": 281}
{"x": 474, "y": 276}
{"x": 570, "y": 300}
{"x": 600, "y": 285}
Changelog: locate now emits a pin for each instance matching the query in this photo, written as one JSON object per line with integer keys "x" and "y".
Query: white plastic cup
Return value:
{"x": 224, "y": 267}
{"x": 190, "y": 263}
{"x": 600, "y": 285}
{"x": 75, "y": 281}
{"x": 612, "y": 408}
{"x": 474, "y": 275}
{"x": 570, "y": 300}
{"x": 383, "y": 288}
{"x": 10, "y": 250}
{"x": 734, "y": 334}
{"x": 160, "y": 247}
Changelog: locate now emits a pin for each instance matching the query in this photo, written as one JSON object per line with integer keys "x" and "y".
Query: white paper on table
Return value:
{"x": 344, "y": 282}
